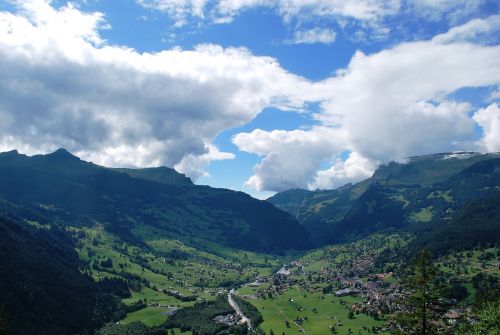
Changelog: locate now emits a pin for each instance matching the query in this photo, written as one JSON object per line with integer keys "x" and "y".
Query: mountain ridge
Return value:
{"x": 132, "y": 201}
{"x": 425, "y": 191}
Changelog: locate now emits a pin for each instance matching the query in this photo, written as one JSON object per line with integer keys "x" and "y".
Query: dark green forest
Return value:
{"x": 43, "y": 289}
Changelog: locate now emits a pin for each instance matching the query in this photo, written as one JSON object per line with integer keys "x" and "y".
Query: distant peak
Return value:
{"x": 62, "y": 154}
{"x": 61, "y": 151}
{"x": 444, "y": 155}
{"x": 12, "y": 153}
{"x": 460, "y": 155}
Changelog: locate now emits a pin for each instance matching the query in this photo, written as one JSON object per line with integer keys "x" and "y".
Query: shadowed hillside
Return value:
{"x": 60, "y": 188}
{"x": 42, "y": 289}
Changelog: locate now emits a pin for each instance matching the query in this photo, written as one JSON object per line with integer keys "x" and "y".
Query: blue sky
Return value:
{"x": 251, "y": 95}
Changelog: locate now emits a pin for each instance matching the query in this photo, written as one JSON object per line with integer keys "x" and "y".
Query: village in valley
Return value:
{"x": 350, "y": 288}
{"x": 347, "y": 288}
{"x": 357, "y": 279}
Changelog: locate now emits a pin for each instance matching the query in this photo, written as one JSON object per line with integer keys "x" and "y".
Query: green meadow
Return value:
{"x": 320, "y": 312}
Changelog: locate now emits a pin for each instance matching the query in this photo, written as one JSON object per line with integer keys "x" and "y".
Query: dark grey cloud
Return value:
{"x": 59, "y": 87}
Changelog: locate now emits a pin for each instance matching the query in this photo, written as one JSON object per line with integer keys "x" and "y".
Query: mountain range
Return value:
{"x": 431, "y": 193}
{"x": 428, "y": 193}
{"x": 61, "y": 189}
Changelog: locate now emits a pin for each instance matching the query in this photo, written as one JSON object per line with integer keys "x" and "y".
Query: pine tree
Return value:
{"x": 421, "y": 307}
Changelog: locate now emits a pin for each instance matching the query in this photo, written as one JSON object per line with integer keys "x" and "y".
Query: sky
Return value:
{"x": 260, "y": 96}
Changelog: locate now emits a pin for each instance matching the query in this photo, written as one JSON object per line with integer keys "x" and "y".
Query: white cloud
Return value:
{"x": 290, "y": 157}
{"x": 436, "y": 10}
{"x": 193, "y": 165}
{"x": 67, "y": 23}
{"x": 387, "y": 106}
{"x": 392, "y": 103}
{"x": 363, "y": 16}
{"x": 353, "y": 169}
{"x": 359, "y": 20}
{"x": 315, "y": 35}
{"x": 495, "y": 95}
{"x": 366, "y": 10}
{"x": 489, "y": 119}
{"x": 470, "y": 31}
{"x": 61, "y": 86}
{"x": 178, "y": 10}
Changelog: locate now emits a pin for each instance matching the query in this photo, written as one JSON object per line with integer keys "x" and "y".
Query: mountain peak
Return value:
{"x": 10, "y": 153}
{"x": 62, "y": 154}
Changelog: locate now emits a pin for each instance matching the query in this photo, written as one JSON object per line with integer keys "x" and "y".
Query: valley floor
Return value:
{"x": 349, "y": 288}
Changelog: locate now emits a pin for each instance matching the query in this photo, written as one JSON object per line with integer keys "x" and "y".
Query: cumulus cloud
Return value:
{"x": 193, "y": 165}
{"x": 290, "y": 158}
{"x": 312, "y": 36}
{"x": 489, "y": 119}
{"x": 393, "y": 103}
{"x": 353, "y": 169}
{"x": 388, "y": 106}
{"x": 62, "y": 86}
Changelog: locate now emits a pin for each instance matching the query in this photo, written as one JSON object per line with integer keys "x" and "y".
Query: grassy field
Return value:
{"x": 150, "y": 316}
{"x": 424, "y": 215}
{"x": 466, "y": 264}
{"x": 319, "y": 311}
